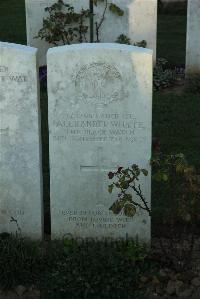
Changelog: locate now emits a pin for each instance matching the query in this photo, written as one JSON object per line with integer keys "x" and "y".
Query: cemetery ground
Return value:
{"x": 66, "y": 269}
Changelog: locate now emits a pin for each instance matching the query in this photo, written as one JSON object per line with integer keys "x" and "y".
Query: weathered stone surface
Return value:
{"x": 100, "y": 98}
{"x": 20, "y": 163}
{"x": 35, "y": 13}
{"x": 193, "y": 38}
{"x": 139, "y": 22}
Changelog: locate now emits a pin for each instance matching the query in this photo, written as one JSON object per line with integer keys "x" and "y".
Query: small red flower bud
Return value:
{"x": 156, "y": 144}
{"x": 110, "y": 175}
{"x": 119, "y": 169}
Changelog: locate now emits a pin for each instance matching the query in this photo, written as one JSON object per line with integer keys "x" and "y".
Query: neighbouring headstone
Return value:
{"x": 100, "y": 105}
{"x": 138, "y": 23}
{"x": 35, "y": 13}
{"x": 193, "y": 37}
{"x": 20, "y": 160}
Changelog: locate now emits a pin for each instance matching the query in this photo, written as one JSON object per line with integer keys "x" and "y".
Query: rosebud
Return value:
{"x": 119, "y": 169}
{"x": 110, "y": 175}
{"x": 155, "y": 144}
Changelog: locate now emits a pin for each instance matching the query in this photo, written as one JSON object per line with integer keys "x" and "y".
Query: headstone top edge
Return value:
{"x": 18, "y": 47}
{"x": 107, "y": 46}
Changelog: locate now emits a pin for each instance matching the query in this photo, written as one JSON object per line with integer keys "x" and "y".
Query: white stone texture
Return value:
{"x": 193, "y": 37}
{"x": 139, "y": 22}
{"x": 20, "y": 159}
{"x": 35, "y": 13}
{"x": 100, "y": 105}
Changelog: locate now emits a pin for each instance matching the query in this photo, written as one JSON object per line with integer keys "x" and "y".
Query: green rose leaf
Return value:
{"x": 95, "y": 2}
{"x": 110, "y": 188}
{"x": 165, "y": 177}
{"x": 125, "y": 185}
{"x": 116, "y": 9}
{"x": 145, "y": 172}
{"x": 129, "y": 210}
{"x": 117, "y": 206}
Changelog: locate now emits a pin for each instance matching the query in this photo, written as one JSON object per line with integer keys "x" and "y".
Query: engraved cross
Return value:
{"x": 100, "y": 173}
{"x": 4, "y": 132}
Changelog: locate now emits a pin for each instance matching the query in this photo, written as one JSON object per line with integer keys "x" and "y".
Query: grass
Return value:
{"x": 72, "y": 270}
{"x": 171, "y": 32}
{"x": 171, "y": 39}
{"x": 176, "y": 122}
{"x": 12, "y": 21}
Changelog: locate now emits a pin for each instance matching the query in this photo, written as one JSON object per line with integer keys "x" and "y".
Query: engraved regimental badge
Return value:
{"x": 99, "y": 84}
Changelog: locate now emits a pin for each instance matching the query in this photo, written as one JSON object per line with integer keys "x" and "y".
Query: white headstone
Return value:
{"x": 139, "y": 22}
{"x": 20, "y": 161}
{"x": 35, "y": 13}
{"x": 100, "y": 98}
{"x": 193, "y": 37}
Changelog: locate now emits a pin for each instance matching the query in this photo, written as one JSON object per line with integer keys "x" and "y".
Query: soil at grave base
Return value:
{"x": 21, "y": 293}
{"x": 177, "y": 88}
{"x": 168, "y": 283}
{"x": 171, "y": 283}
